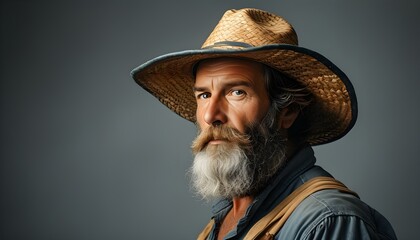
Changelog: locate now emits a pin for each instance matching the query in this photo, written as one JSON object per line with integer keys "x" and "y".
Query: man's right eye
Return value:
{"x": 203, "y": 95}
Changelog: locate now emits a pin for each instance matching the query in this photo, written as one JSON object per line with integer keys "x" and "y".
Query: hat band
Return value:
{"x": 229, "y": 44}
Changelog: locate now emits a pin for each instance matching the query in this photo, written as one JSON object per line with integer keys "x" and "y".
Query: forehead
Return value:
{"x": 229, "y": 67}
{"x": 219, "y": 64}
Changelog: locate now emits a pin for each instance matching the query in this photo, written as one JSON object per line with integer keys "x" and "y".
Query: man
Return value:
{"x": 260, "y": 102}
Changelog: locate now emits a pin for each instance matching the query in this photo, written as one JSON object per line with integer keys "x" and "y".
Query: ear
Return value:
{"x": 286, "y": 118}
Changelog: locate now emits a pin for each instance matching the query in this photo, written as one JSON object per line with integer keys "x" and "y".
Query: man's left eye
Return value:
{"x": 238, "y": 92}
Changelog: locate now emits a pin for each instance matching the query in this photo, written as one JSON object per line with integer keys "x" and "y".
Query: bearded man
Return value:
{"x": 260, "y": 102}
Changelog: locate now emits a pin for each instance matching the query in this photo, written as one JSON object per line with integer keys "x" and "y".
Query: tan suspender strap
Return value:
{"x": 271, "y": 223}
{"x": 205, "y": 233}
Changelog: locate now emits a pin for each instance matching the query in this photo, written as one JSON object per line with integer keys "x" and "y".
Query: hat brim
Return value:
{"x": 331, "y": 115}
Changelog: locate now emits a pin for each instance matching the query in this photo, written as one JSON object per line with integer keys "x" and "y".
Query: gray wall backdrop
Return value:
{"x": 87, "y": 154}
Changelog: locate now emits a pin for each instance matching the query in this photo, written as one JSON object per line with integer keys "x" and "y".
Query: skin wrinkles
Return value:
{"x": 231, "y": 92}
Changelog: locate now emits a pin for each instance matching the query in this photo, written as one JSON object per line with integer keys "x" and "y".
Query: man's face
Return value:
{"x": 238, "y": 148}
{"x": 230, "y": 92}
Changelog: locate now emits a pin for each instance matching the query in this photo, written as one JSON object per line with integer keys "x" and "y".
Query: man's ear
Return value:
{"x": 286, "y": 118}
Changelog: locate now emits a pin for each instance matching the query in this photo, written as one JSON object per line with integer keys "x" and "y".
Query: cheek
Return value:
{"x": 241, "y": 118}
{"x": 199, "y": 115}
{"x": 253, "y": 113}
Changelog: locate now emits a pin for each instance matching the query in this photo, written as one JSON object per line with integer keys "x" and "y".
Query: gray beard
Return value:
{"x": 233, "y": 169}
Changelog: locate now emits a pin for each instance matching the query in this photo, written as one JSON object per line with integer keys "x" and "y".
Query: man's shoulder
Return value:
{"x": 330, "y": 203}
{"x": 330, "y": 212}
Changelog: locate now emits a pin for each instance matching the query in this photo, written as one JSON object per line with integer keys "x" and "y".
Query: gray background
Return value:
{"x": 87, "y": 154}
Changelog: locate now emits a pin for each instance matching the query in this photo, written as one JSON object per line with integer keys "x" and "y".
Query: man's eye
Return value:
{"x": 203, "y": 95}
{"x": 238, "y": 92}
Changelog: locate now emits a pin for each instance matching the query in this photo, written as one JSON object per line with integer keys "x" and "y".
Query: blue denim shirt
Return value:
{"x": 327, "y": 214}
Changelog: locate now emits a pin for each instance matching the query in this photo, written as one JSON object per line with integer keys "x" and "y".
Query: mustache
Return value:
{"x": 220, "y": 132}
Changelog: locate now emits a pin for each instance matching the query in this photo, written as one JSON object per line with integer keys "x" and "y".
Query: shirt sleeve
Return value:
{"x": 345, "y": 227}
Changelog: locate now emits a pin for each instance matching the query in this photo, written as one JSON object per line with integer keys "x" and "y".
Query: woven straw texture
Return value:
{"x": 264, "y": 38}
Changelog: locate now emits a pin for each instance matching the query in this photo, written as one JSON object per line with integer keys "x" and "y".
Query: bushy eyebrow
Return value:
{"x": 199, "y": 89}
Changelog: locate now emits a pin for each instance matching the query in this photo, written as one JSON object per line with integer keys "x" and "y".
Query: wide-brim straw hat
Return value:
{"x": 268, "y": 39}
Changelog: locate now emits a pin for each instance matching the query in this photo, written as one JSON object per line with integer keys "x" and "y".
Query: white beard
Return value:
{"x": 240, "y": 166}
{"x": 221, "y": 171}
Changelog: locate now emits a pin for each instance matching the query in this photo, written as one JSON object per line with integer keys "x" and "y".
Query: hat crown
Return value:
{"x": 250, "y": 28}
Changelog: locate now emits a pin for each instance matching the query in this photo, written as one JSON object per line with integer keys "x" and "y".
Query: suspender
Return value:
{"x": 270, "y": 224}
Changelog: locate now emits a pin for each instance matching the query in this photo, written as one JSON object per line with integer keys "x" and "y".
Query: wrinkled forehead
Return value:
{"x": 218, "y": 65}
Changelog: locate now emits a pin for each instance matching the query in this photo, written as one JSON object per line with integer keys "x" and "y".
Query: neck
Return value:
{"x": 240, "y": 205}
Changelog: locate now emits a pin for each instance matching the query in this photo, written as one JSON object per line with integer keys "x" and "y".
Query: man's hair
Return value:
{"x": 285, "y": 92}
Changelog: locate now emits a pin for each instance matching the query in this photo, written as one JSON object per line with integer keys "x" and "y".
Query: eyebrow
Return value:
{"x": 199, "y": 89}
{"x": 226, "y": 85}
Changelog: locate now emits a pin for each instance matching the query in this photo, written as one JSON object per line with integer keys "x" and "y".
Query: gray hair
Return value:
{"x": 285, "y": 92}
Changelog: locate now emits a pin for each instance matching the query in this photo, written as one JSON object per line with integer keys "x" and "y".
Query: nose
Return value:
{"x": 215, "y": 113}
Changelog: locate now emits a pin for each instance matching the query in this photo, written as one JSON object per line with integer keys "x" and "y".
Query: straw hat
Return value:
{"x": 266, "y": 38}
